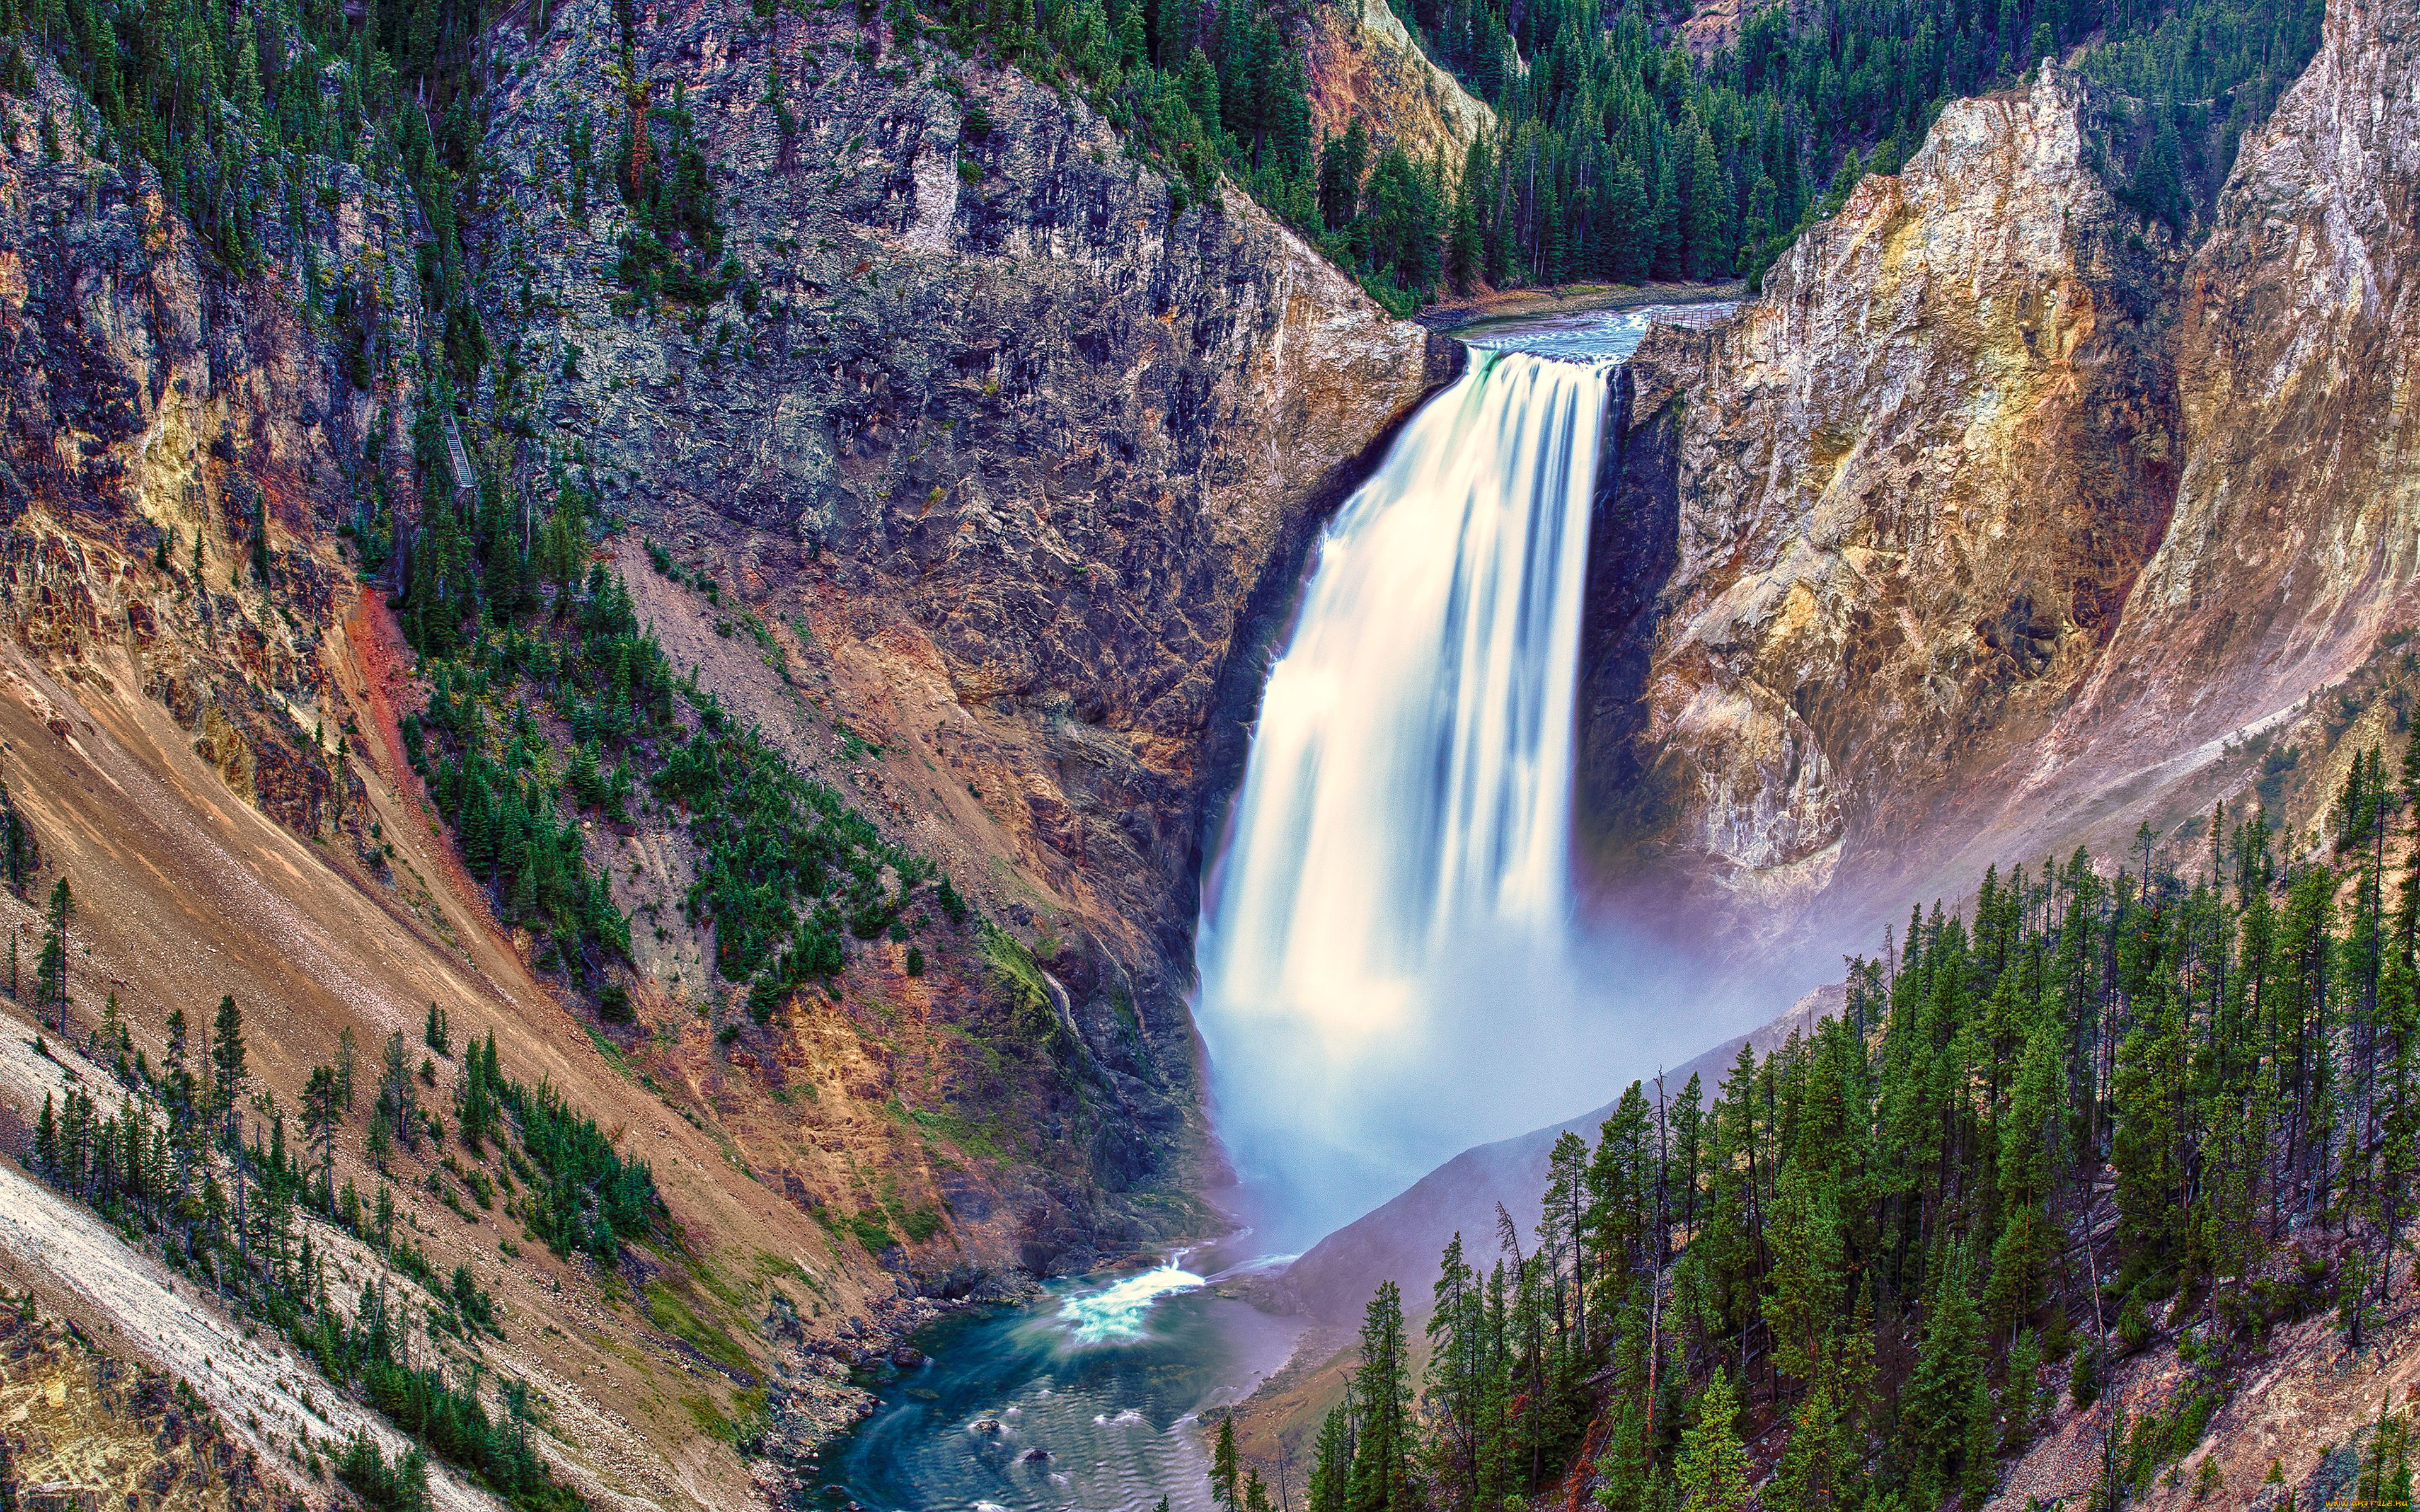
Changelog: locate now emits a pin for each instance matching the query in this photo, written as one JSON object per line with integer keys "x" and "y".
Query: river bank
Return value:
{"x": 1571, "y": 299}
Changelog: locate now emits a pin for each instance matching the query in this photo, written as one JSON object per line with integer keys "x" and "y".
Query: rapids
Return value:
{"x": 1106, "y": 1378}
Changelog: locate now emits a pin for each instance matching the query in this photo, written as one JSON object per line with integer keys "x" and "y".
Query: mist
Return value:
{"x": 1327, "y": 1114}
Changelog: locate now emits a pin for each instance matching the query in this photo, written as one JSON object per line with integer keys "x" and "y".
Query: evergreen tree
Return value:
{"x": 229, "y": 1072}
{"x": 50, "y": 972}
{"x": 1226, "y": 1468}
{"x": 1382, "y": 1449}
{"x": 1712, "y": 1474}
{"x": 322, "y": 1112}
{"x": 1343, "y": 161}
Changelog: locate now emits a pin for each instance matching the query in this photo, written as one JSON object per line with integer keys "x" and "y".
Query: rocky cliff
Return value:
{"x": 1911, "y": 488}
{"x": 2293, "y": 543}
{"x": 178, "y": 444}
{"x": 1011, "y": 463}
{"x": 1358, "y": 60}
{"x": 2004, "y": 508}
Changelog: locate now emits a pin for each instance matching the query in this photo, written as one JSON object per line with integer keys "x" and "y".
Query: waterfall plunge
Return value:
{"x": 1386, "y": 929}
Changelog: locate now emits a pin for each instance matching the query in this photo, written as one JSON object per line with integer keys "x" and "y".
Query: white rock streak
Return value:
{"x": 169, "y": 1322}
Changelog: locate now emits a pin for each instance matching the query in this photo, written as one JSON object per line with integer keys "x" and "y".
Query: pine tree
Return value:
{"x": 2022, "y": 1399}
{"x": 398, "y": 1107}
{"x": 322, "y": 1112}
{"x": 1709, "y": 214}
{"x": 1226, "y": 1468}
{"x": 1256, "y": 1496}
{"x": 1381, "y": 1476}
{"x": 1936, "y": 1408}
{"x": 1979, "y": 1472}
{"x": 1457, "y": 1377}
{"x": 51, "y": 971}
{"x": 1342, "y": 161}
{"x": 17, "y": 850}
{"x": 229, "y": 1072}
{"x": 1712, "y": 1472}
{"x": 1804, "y": 1234}
{"x": 1331, "y": 1470}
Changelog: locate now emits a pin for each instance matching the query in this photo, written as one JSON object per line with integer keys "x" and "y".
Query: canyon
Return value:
{"x": 2002, "y": 518}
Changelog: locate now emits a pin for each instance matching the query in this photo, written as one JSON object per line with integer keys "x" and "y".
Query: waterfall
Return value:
{"x": 1391, "y": 902}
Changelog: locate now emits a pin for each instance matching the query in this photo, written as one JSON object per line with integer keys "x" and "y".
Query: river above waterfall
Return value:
{"x": 1103, "y": 1377}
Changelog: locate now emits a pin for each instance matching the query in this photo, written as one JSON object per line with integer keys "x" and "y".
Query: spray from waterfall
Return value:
{"x": 1385, "y": 952}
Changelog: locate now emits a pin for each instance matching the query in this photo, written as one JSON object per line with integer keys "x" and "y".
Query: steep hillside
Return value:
{"x": 952, "y": 527}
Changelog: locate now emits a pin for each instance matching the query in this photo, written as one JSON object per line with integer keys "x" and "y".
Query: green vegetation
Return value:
{"x": 787, "y": 867}
{"x": 670, "y": 1311}
{"x": 401, "y": 1487}
{"x": 672, "y": 247}
{"x": 493, "y": 770}
{"x": 2108, "y": 1113}
{"x": 871, "y": 1230}
{"x": 583, "y": 1197}
{"x": 255, "y": 120}
{"x": 1620, "y": 157}
{"x": 1618, "y": 154}
{"x": 547, "y": 697}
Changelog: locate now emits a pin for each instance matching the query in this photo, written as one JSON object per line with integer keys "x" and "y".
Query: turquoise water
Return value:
{"x": 1105, "y": 1378}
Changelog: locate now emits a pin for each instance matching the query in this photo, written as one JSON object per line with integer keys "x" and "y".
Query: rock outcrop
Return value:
{"x": 2006, "y": 516}
{"x": 1358, "y": 60}
{"x": 1910, "y": 489}
{"x": 169, "y": 432}
{"x": 2297, "y": 516}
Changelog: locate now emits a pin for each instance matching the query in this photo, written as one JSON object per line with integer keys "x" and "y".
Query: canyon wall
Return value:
{"x": 982, "y": 490}
{"x": 1015, "y": 460}
{"x": 2297, "y": 516}
{"x": 2004, "y": 508}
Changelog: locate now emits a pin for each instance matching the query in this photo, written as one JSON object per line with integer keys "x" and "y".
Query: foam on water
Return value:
{"x": 1120, "y": 1313}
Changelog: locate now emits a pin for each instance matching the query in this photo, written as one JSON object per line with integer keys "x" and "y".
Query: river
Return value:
{"x": 1104, "y": 1380}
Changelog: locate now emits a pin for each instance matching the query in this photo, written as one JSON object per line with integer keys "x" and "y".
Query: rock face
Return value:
{"x": 1360, "y": 61}
{"x": 160, "y": 417}
{"x": 1992, "y": 524}
{"x": 2297, "y": 520}
{"x": 1033, "y": 461}
{"x": 1909, "y": 490}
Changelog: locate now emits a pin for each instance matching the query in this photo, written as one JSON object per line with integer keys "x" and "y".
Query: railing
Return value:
{"x": 1695, "y": 317}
